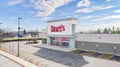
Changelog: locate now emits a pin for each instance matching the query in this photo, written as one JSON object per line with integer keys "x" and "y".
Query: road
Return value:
{"x": 5, "y": 62}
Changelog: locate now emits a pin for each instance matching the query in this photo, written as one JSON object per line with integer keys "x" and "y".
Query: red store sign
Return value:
{"x": 59, "y": 28}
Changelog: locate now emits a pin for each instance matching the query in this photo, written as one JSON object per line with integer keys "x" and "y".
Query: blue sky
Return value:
{"x": 92, "y": 14}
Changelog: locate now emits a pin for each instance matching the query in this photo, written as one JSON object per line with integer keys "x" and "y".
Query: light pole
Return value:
{"x": 0, "y": 24}
{"x": 0, "y": 33}
{"x": 18, "y": 54}
{"x": 0, "y": 28}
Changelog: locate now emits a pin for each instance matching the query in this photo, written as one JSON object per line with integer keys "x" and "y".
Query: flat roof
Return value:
{"x": 63, "y": 19}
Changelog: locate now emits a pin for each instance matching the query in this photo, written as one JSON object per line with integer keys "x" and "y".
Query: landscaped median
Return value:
{"x": 20, "y": 39}
{"x": 17, "y": 59}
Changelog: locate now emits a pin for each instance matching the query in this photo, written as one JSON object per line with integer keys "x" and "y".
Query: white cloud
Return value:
{"x": 84, "y": 10}
{"x": 68, "y": 16}
{"x": 84, "y": 3}
{"x": 117, "y": 11}
{"x": 89, "y": 7}
{"x": 107, "y": 18}
{"x": 93, "y": 8}
{"x": 87, "y": 17}
{"x": 108, "y": 0}
{"x": 37, "y": 19}
{"x": 47, "y": 7}
{"x": 13, "y": 18}
{"x": 46, "y": 18}
{"x": 14, "y": 2}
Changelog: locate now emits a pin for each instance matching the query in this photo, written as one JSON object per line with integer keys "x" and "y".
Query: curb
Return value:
{"x": 17, "y": 59}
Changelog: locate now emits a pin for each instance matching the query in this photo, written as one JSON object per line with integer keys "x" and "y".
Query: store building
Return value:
{"x": 62, "y": 32}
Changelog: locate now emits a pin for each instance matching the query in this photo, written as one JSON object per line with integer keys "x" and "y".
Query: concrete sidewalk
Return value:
{"x": 53, "y": 47}
{"x": 17, "y": 59}
{"x": 5, "y": 62}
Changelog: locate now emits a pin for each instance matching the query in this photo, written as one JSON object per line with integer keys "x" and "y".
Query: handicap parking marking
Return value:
{"x": 116, "y": 58}
{"x": 88, "y": 53}
{"x": 106, "y": 56}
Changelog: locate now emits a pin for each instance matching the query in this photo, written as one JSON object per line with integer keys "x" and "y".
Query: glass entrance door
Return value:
{"x": 60, "y": 41}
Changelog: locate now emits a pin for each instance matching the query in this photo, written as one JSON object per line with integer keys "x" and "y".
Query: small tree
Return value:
{"x": 113, "y": 31}
{"x": 118, "y": 30}
{"x": 105, "y": 30}
{"x": 24, "y": 32}
{"x": 2, "y": 34}
{"x": 109, "y": 29}
{"x": 98, "y": 31}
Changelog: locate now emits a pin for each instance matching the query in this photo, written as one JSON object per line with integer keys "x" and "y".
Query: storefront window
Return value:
{"x": 60, "y": 41}
{"x": 65, "y": 44}
{"x": 65, "y": 39}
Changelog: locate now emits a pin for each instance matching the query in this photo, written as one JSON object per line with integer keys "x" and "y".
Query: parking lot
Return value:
{"x": 40, "y": 55}
{"x": 97, "y": 55}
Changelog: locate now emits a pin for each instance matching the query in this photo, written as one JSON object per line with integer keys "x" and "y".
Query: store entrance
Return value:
{"x": 60, "y": 41}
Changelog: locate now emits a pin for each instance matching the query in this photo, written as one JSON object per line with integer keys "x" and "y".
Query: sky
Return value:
{"x": 92, "y": 14}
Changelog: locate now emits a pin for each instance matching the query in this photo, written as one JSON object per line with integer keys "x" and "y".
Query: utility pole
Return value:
{"x": 0, "y": 28}
{"x": 0, "y": 33}
{"x": 18, "y": 54}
